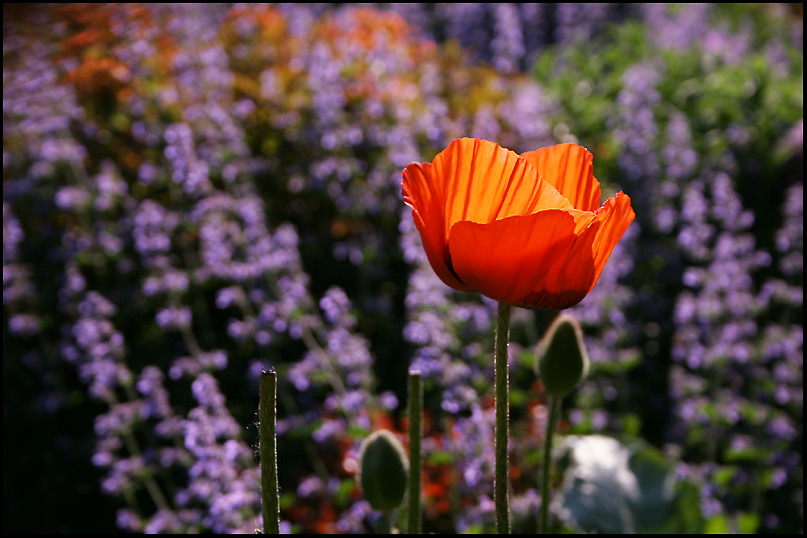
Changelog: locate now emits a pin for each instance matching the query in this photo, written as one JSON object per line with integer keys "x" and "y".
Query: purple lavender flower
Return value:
{"x": 181, "y": 254}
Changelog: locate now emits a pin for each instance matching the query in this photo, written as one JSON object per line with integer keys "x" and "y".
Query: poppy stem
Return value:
{"x": 268, "y": 449}
{"x": 384, "y": 523}
{"x": 554, "y": 414}
{"x": 501, "y": 486}
{"x": 415, "y": 435}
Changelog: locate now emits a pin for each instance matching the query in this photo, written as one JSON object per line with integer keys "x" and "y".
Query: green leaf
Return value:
{"x": 342, "y": 496}
{"x": 717, "y": 524}
{"x": 440, "y": 457}
{"x": 519, "y": 398}
{"x": 287, "y": 500}
{"x": 631, "y": 424}
{"x": 533, "y": 457}
{"x": 750, "y": 453}
{"x": 747, "y": 523}
{"x": 724, "y": 475}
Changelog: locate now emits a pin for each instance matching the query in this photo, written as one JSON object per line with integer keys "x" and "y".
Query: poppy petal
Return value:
{"x": 508, "y": 260}
{"x": 485, "y": 182}
{"x": 420, "y": 194}
{"x": 570, "y": 168}
{"x": 615, "y": 216}
{"x": 471, "y": 180}
{"x": 490, "y": 222}
{"x": 480, "y": 181}
{"x": 573, "y": 275}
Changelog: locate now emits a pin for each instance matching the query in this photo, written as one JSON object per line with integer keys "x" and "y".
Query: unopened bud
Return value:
{"x": 562, "y": 357}
{"x": 383, "y": 471}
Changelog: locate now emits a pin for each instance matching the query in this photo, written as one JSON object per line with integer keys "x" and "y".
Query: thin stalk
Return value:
{"x": 554, "y": 414}
{"x": 415, "y": 436}
{"x": 133, "y": 447}
{"x": 384, "y": 523}
{"x": 501, "y": 488}
{"x": 268, "y": 446}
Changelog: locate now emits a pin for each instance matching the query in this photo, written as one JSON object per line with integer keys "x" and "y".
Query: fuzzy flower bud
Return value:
{"x": 562, "y": 358}
{"x": 383, "y": 469}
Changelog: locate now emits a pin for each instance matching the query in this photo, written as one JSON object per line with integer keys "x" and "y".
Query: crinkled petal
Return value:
{"x": 428, "y": 210}
{"x": 549, "y": 260}
{"x": 570, "y": 168}
{"x": 614, "y": 217}
{"x": 515, "y": 259}
{"x": 476, "y": 181}
{"x": 570, "y": 276}
{"x": 585, "y": 261}
{"x": 576, "y": 274}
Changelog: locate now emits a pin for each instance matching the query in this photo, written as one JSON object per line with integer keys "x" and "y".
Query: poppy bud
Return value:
{"x": 383, "y": 471}
{"x": 562, "y": 357}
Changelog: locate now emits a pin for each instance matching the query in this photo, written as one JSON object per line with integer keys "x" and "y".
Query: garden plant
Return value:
{"x": 441, "y": 268}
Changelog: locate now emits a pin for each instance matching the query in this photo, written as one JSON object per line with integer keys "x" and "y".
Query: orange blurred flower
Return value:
{"x": 525, "y": 230}
{"x": 95, "y": 77}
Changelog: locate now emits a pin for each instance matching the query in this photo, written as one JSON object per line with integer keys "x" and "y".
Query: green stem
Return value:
{"x": 502, "y": 421}
{"x": 384, "y": 523}
{"x": 415, "y": 435}
{"x": 554, "y": 414}
{"x": 268, "y": 446}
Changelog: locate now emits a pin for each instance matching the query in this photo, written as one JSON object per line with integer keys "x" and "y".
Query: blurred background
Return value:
{"x": 192, "y": 193}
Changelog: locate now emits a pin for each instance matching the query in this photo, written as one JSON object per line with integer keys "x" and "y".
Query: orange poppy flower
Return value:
{"x": 526, "y": 230}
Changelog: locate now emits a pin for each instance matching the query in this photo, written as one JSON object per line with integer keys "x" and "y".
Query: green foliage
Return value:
{"x": 713, "y": 94}
{"x": 615, "y": 487}
{"x": 742, "y": 114}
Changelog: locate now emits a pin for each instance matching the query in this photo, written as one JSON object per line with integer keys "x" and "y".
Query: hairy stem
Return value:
{"x": 501, "y": 488}
{"x": 554, "y": 413}
{"x": 415, "y": 435}
{"x": 268, "y": 446}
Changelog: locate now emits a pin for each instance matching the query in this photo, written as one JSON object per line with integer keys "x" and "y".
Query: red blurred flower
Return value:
{"x": 525, "y": 230}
